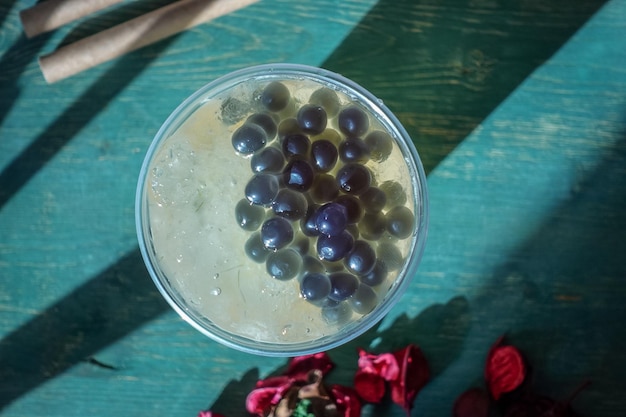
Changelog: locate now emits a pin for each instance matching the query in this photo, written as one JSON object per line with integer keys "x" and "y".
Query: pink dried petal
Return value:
{"x": 414, "y": 374}
{"x": 209, "y": 414}
{"x": 300, "y": 366}
{"x": 474, "y": 402}
{"x": 505, "y": 369}
{"x": 260, "y": 400}
{"x": 369, "y": 386}
{"x": 347, "y": 401}
{"x": 384, "y": 365}
{"x": 274, "y": 381}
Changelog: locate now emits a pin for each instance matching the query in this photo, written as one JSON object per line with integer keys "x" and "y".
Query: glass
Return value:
{"x": 231, "y": 231}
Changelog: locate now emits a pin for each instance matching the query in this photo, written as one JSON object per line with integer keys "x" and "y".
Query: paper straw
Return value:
{"x": 52, "y": 14}
{"x": 133, "y": 34}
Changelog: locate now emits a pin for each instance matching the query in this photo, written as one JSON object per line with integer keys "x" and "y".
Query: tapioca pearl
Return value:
{"x": 390, "y": 254}
{"x": 269, "y": 160}
{"x": 248, "y": 139}
{"x": 330, "y": 135}
{"x": 312, "y": 119}
{"x": 354, "y": 178}
{"x": 296, "y": 145}
{"x": 261, "y": 189}
{"x": 275, "y": 96}
{"x": 324, "y": 188}
{"x": 336, "y": 314}
{"x": 377, "y": 275}
{"x": 267, "y": 122}
{"x": 361, "y": 259}
{"x": 284, "y": 264}
{"x": 353, "y": 121}
{"x": 334, "y": 248}
{"x": 298, "y": 175}
{"x": 354, "y": 207}
{"x": 289, "y": 204}
{"x": 315, "y": 286}
{"x": 396, "y": 196}
{"x": 353, "y": 149}
{"x": 276, "y": 233}
{"x": 374, "y": 199}
{"x": 249, "y": 216}
{"x": 301, "y": 243}
{"x": 331, "y": 219}
{"x": 308, "y": 224}
{"x": 324, "y": 155}
{"x": 353, "y": 229}
{"x": 255, "y": 249}
{"x": 400, "y": 222}
{"x": 327, "y": 99}
{"x": 380, "y": 145}
{"x": 364, "y": 299}
{"x": 342, "y": 285}
{"x": 372, "y": 226}
{"x": 288, "y": 127}
{"x": 311, "y": 264}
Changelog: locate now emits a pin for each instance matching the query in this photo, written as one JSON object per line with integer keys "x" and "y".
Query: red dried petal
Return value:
{"x": 505, "y": 369}
{"x": 347, "y": 401}
{"x": 472, "y": 403}
{"x": 209, "y": 414}
{"x": 384, "y": 365}
{"x": 414, "y": 374}
{"x": 300, "y": 366}
{"x": 369, "y": 386}
{"x": 260, "y": 400}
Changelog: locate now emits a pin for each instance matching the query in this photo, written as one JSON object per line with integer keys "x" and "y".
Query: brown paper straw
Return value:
{"x": 52, "y": 14}
{"x": 133, "y": 34}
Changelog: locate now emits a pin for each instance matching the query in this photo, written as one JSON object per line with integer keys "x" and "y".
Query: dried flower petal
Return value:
{"x": 259, "y": 400}
{"x": 347, "y": 400}
{"x": 369, "y": 386}
{"x": 504, "y": 370}
{"x": 300, "y": 366}
{"x": 414, "y": 374}
{"x": 384, "y": 365}
{"x": 209, "y": 414}
{"x": 472, "y": 403}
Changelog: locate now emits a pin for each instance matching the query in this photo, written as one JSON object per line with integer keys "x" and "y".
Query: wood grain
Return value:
{"x": 526, "y": 180}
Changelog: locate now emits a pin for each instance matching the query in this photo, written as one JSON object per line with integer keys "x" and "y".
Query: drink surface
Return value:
{"x": 197, "y": 178}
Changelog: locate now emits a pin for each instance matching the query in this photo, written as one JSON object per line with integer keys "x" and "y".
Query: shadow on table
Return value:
{"x": 87, "y": 106}
{"x": 103, "y": 310}
{"x": 562, "y": 293}
{"x": 443, "y": 66}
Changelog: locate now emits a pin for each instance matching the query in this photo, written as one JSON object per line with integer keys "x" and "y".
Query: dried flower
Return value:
{"x": 405, "y": 371}
{"x": 300, "y": 392}
{"x": 505, "y": 369}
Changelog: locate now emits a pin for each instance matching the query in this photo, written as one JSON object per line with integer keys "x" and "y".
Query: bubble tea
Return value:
{"x": 282, "y": 210}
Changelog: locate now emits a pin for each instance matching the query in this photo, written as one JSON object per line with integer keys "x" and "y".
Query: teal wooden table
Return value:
{"x": 518, "y": 110}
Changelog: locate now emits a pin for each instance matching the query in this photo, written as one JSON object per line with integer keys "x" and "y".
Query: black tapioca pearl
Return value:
{"x": 248, "y": 139}
{"x": 312, "y": 119}
{"x": 261, "y": 189}
{"x": 249, "y": 216}
{"x": 400, "y": 222}
{"x": 354, "y": 178}
{"x": 380, "y": 145}
{"x": 276, "y": 233}
{"x": 353, "y": 121}
{"x": 275, "y": 96}
{"x": 353, "y": 149}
